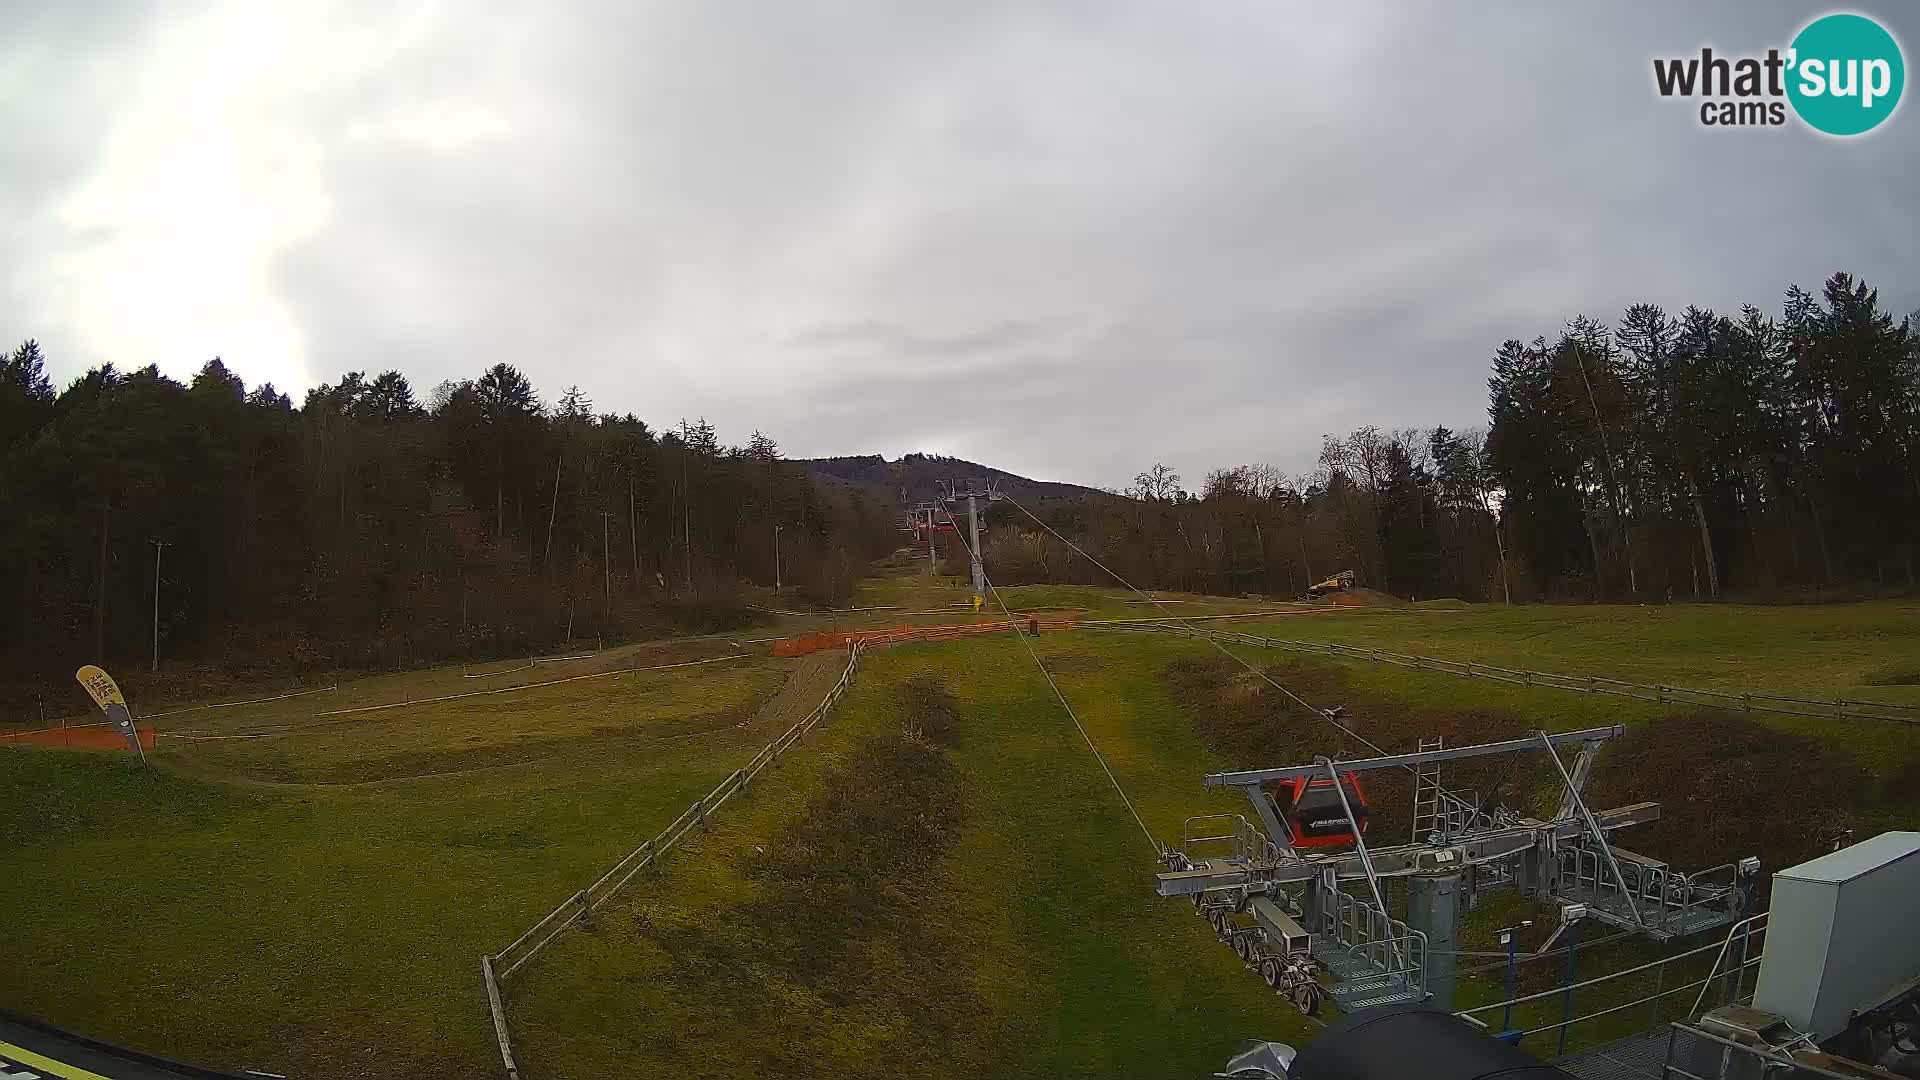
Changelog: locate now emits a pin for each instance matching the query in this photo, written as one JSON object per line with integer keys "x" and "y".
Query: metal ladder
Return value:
{"x": 1435, "y": 809}
{"x": 1426, "y": 792}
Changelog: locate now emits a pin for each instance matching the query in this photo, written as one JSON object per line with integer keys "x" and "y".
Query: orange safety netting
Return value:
{"x": 840, "y": 639}
{"x": 78, "y": 737}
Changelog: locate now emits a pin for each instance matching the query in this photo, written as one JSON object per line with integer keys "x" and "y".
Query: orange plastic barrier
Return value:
{"x": 840, "y": 639}
{"x": 80, "y": 737}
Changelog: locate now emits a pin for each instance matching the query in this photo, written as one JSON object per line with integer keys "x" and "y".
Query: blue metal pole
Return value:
{"x": 1513, "y": 980}
{"x": 1566, "y": 1003}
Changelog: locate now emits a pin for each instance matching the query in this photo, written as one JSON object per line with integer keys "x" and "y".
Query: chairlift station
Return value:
{"x": 1296, "y": 891}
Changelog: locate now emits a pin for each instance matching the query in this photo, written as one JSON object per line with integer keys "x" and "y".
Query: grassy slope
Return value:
{"x": 318, "y": 930}
{"x": 578, "y": 718}
{"x": 1083, "y": 971}
{"x": 229, "y": 923}
{"x": 1823, "y": 650}
{"x": 1827, "y": 648}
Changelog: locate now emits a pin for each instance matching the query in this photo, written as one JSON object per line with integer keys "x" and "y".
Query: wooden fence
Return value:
{"x": 498, "y": 967}
{"x": 1837, "y": 707}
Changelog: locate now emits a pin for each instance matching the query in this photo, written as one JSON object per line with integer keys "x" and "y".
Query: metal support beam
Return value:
{"x": 1433, "y": 908}
{"x": 1401, "y": 761}
{"x": 973, "y": 547}
{"x": 1577, "y": 781}
{"x": 1360, "y": 849}
{"x": 1401, "y": 860}
{"x": 1599, "y": 835}
{"x": 1277, "y": 830}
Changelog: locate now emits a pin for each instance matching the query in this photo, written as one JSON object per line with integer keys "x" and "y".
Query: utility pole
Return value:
{"x": 553, "y": 509}
{"x": 633, "y": 534}
{"x": 686, "y": 505}
{"x": 776, "y": 558}
{"x": 158, "y": 545}
{"x": 1486, "y": 504}
{"x": 606, "y": 559}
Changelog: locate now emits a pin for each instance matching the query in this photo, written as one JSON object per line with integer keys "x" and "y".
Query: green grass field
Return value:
{"x": 1070, "y": 965}
{"x": 292, "y": 917}
{"x": 315, "y": 902}
{"x": 1866, "y": 651}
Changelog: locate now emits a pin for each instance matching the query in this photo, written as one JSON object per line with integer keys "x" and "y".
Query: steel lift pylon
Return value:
{"x": 974, "y": 492}
{"x": 1299, "y": 920}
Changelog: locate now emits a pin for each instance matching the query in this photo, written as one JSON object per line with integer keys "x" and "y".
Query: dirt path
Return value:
{"x": 807, "y": 684}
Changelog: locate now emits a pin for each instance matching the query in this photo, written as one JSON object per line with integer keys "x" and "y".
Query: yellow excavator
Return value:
{"x": 1339, "y": 582}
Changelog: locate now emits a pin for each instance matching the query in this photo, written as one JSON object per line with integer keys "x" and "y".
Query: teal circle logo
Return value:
{"x": 1845, "y": 74}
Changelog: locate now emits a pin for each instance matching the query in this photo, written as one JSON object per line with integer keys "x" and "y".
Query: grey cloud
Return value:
{"x": 1066, "y": 240}
{"x": 906, "y": 340}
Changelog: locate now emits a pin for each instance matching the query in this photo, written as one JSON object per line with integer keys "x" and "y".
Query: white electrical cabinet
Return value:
{"x": 1843, "y": 930}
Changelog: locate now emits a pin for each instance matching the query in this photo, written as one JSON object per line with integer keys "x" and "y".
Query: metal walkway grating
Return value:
{"x": 1635, "y": 1057}
{"x": 1665, "y": 925}
{"x": 1357, "y": 982}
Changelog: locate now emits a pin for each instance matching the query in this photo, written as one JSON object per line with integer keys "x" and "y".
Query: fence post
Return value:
{"x": 499, "y": 1018}
{"x": 1660, "y": 691}
{"x": 1746, "y": 703}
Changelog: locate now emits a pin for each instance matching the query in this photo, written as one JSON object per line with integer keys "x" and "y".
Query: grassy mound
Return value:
{"x": 1894, "y": 675}
{"x": 1730, "y": 786}
{"x": 1250, "y": 724}
{"x": 839, "y": 955}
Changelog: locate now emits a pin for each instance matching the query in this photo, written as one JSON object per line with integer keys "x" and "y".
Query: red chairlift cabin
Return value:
{"x": 925, "y": 522}
{"x": 1313, "y": 812}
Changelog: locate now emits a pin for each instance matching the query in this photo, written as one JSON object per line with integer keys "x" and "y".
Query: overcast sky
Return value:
{"x": 1066, "y": 239}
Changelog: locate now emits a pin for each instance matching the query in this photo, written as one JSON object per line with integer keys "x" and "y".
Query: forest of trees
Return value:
{"x": 1685, "y": 456}
{"x": 368, "y": 528}
{"x": 1696, "y": 456}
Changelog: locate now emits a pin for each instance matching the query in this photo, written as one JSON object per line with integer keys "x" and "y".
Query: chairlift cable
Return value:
{"x": 1177, "y": 621}
{"x": 1014, "y": 626}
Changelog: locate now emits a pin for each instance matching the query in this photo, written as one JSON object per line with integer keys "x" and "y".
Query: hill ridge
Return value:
{"x": 916, "y": 477}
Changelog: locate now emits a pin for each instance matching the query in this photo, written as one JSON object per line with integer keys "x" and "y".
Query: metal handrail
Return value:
{"x": 1376, "y": 936}
{"x": 1744, "y": 925}
{"x": 1593, "y": 981}
{"x": 1783, "y": 1060}
{"x": 1637, "y": 1002}
{"x": 1233, "y": 822}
